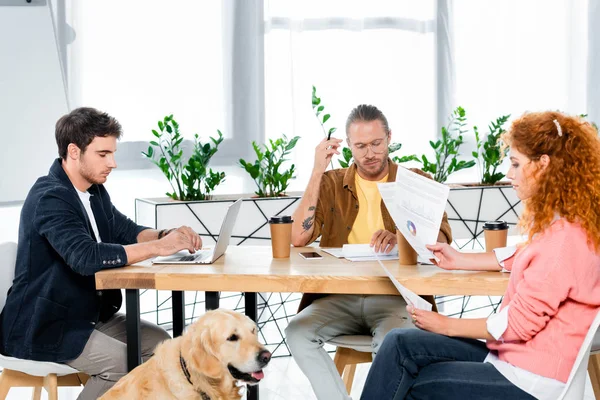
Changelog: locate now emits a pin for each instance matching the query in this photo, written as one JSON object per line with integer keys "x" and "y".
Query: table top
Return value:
{"x": 253, "y": 269}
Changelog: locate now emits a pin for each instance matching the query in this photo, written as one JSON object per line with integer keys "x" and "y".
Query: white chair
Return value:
{"x": 27, "y": 373}
{"x": 575, "y": 386}
{"x": 594, "y": 365}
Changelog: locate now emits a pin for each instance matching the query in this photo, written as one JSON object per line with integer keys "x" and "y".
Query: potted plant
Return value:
{"x": 489, "y": 152}
{"x": 191, "y": 180}
{"x": 446, "y": 149}
{"x": 267, "y": 171}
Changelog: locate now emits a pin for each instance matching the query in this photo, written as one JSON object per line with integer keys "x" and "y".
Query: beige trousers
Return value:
{"x": 104, "y": 357}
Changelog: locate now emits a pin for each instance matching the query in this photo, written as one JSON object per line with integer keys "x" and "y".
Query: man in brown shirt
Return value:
{"x": 344, "y": 206}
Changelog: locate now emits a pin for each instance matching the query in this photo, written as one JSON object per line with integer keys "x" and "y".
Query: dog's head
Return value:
{"x": 224, "y": 341}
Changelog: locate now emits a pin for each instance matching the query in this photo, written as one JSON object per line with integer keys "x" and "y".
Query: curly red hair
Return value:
{"x": 570, "y": 184}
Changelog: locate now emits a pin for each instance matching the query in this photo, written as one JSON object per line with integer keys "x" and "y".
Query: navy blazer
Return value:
{"x": 53, "y": 306}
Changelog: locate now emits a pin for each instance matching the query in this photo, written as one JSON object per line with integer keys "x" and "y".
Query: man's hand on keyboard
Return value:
{"x": 179, "y": 239}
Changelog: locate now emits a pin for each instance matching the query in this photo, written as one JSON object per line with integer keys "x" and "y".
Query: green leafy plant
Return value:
{"x": 584, "y": 116}
{"x": 267, "y": 171}
{"x": 489, "y": 153}
{"x": 394, "y": 147}
{"x": 192, "y": 180}
{"x": 446, "y": 149}
{"x": 318, "y": 109}
{"x": 346, "y": 158}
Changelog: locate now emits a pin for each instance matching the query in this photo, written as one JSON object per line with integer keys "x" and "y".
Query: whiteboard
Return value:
{"x": 32, "y": 95}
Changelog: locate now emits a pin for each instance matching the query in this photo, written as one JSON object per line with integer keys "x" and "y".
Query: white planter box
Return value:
{"x": 205, "y": 217}
{"x": 469, "y": 208}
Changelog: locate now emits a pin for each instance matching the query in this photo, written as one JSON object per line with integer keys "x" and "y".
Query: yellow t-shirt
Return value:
{"x": 369, "y": 219}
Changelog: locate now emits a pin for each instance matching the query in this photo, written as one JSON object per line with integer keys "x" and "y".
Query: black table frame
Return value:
{"x": 134, "y": 349}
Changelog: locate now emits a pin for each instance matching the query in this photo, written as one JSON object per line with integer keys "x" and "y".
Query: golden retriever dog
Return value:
{"x": 207, "y": 362}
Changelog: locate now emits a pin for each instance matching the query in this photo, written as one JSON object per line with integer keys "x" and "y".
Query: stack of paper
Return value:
{"x": 364, "y": 252}
{"x": 361, "y": 252}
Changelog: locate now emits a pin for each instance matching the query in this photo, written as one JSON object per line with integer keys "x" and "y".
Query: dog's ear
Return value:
{"x": 201, "y": 355}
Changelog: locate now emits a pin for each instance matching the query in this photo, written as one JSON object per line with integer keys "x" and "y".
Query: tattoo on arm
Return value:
{"x": 308, "y": 223}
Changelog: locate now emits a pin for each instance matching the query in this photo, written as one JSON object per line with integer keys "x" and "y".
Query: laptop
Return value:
{"x": 207, "y": 256}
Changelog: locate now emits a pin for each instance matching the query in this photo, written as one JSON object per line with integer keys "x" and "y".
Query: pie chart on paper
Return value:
{"x": 411, "y": 228}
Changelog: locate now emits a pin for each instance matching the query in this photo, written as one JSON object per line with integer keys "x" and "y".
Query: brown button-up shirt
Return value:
{"x": 337, "y": 207}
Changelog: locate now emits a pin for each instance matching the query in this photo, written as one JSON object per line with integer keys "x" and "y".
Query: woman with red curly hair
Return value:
{"x": 552, "y": 297}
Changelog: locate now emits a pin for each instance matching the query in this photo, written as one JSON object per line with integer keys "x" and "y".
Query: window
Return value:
{"x": 517, "y": 55}
{"x": 380, "y": 52}
{"x": 504, "y": 57}
{"x": 142, "y": 60}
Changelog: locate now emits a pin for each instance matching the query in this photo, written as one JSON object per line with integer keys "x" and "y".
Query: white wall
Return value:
{"x": 32, "y": 95}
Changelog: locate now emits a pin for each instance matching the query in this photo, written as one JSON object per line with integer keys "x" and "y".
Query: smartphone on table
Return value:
{"x": 310, "y": 255}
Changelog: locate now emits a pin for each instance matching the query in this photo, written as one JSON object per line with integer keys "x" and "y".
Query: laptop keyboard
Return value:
{"x": 200, "y": 256}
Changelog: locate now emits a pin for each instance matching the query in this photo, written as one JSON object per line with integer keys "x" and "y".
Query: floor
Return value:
{"x": 283, "y": 380}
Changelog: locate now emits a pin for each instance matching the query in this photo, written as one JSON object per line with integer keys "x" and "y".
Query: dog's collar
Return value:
{"x": 188, "y": 377}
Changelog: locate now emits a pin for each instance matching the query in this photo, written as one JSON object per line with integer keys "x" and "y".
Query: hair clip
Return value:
{"x": 558, "y": 127}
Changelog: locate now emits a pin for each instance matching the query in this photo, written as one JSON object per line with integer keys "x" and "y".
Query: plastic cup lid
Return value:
{"x": 281, "y": 219}
{"x": 495, "y": 225}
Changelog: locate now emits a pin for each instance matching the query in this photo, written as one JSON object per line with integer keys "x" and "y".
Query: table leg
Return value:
{"x": 178, "y": 300}
{"x": 132, "y": 322}
{"x": 211, "y": 300}
{"x": 251, "y": 312}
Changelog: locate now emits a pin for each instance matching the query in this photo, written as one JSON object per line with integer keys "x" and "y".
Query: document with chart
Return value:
{"x": 416, "y": 204}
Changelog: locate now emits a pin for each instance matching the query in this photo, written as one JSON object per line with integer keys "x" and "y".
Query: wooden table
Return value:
{"x": 251, "y": 269}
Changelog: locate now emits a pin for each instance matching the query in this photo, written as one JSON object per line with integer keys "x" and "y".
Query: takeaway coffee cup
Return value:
{"x": 281, "y": 235}
{"x": 406, "y": 254}
{"x": 496, "y": 233}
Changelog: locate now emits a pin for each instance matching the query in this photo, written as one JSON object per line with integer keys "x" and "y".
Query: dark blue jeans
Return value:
{"x": 415, "y": 364}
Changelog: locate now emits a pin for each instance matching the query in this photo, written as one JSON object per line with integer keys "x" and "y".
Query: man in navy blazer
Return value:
{"x": 69, "y": 230}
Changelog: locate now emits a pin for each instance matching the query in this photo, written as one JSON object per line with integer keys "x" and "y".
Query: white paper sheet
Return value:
{"x": 416, "y": 204}
{"x": 338, "y": 252}
{"x": 409, "y": 296}
{"x": 373, "y": 258}
{"x": 364, "y": 250}
{"x": 334, "y": 251}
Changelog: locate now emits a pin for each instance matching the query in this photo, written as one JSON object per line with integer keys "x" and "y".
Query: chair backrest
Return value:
{"x": 575, "y": 387}
{"x": 596, "y": 343}
{"x": 8, "y": 259}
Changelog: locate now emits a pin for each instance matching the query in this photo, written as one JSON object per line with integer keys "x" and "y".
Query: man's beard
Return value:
{"x": 368, "y": 172}
{"x": 86, "y": 174}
